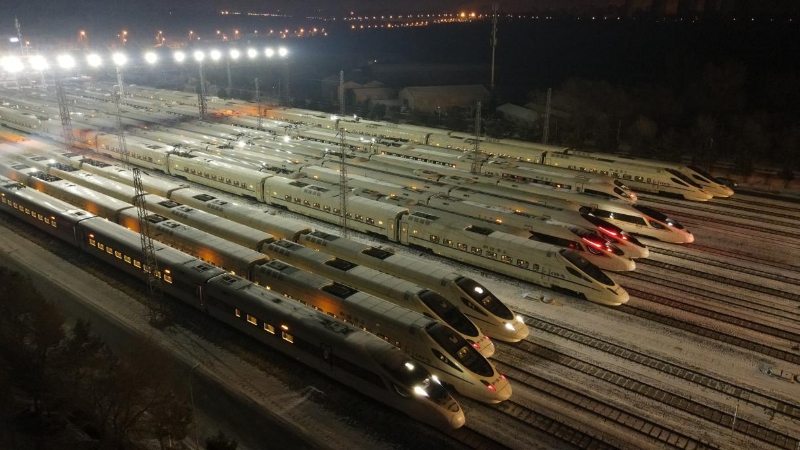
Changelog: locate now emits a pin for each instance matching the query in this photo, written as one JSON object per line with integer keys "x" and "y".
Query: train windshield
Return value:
{"x": 658, "y": 215}
{"x": 448, "y": 313}
{"x": 586, "y": 267}
{"x": 408, "y": 375}
{"x": 621, "y": 185}
{"x": 684, "y": 178}
{"x": 484, "y": 297}
{"x": 703, "y": 174}
{"x": 459, "y": 349}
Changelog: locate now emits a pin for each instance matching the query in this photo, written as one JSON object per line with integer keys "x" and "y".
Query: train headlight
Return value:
{"x": 519, "y": 319}
{"x": 409, "y": 366}
{"x": 436, "y": 379}
{"x": 509, "y": 326}
{"x": 419, "y": 391}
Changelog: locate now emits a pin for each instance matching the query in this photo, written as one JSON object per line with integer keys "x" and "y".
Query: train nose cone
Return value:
{"x": 504, "y": 393}
{"x": 458, "y": 419}
{"x": 689, "y": 237}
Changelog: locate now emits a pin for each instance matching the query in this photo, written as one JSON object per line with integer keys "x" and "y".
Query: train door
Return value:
{"x": 327, "y": 357}
{"x": 403, "y": 233}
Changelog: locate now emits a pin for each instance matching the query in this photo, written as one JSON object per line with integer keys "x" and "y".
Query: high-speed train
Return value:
{"x": 239, "y": 255}
{"x": 662, "y": 178}
{"x": 594, "y": 248}
{"x": 367, "y": 215}
{"x": 338, "y": 350}
{"x": 475, "y": 300}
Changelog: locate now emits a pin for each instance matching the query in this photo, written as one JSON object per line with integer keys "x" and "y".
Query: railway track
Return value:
{"x": 738, "y": 225}
{"x": 737, "y": 267}
{"x": 653, "y": 246}
{"x": 643, "y": 427}
{"x": 709, "y": 333}
{"x": 736, "y": 208}
{"x": 673, "y": 268}
{"x": 753, "y": 306}
{"x": 722, "y": 418}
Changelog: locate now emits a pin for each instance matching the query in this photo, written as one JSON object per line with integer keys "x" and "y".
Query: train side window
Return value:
{"x": 39, "y": 216}
{"x": 370, "y": 221}
{"x": 288, "y": 198}
{"x": 136, "y": 263}
{"x": 316, "y": 205}
{"x": 252, "y": 320}
{"x": 297, "y": 200}
{"x": 53, "y": 222}
{"x": 306, "y": 203}
{"x": 507, "y": 259}
{"x": 359, "y": 217}
{"x": 287, "y": 337}
{"x": 27, "y": 211}
{"x": 92, "y": 242}
{"x": 101, "y": 246}
{"x": 228, "y": 180}
{"x": 118, "y": 255}
{"x": 522, "y": 263}
{"x": 326, "y": 208}
{"x": 448, "y": 242}
{"x": 445, "y": 359}
{"x": 476, "y": 250}
{"x": 127, "y": 259}
{"x": 269, "y": 328}
{"x": 236, "y": 183}
{"x": 462, "y": 246}
{"x": 109, "y": 250}
{"x": 656, "y": 225}
{"x": 492, "y": 255}
{"x": 238, "y": 312}
{"x": 638, "y": 178}
{"x": 168, "y": 278}
{"x": 435, "y": 238}
{"x": 536, "y": 267}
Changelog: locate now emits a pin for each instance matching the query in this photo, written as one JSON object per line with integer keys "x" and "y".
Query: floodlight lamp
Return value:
{"x": 119, "y": 59}
{"x": 39, "y": 63}
{"x": 66, "y": 61}
{"x": 199, "y": 55}
{"x": 150, "y": 57}
{"x": 180, "y": 56}
{"x": 12, "y": 64}
{"x": 283, "y": 52}
{"x": 269, "y": 52}
{"x": 216, "y": 55}
{"x": 251, "y": 53}
{"x": 235, "y": 54}
{"x": 94, "y": 60}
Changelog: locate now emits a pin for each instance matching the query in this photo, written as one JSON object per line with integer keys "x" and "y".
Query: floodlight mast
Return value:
{"x": 156, "y": 308}
{"x": 343, "y": 190}
{"x": 65, "y": 62}
{"x": 476, "y": 162}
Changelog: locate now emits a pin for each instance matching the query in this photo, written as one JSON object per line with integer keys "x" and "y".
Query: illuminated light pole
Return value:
{"x": 65, "y": 62}
{"x": 39, "y": 63}
{"x": 234, "y": 55}
{"x": 235, "y": 35}
{"x": 12, "y": 65}
{"x": 82, "y": 38}
{"x": 199, "y": 56}
{"x": 191, "y": 34}
{"x": 119, "y": 61}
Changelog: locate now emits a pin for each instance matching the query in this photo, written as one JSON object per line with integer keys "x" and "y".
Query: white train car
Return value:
{"x": 382, "y": 285}
{"x": 594, "y": 249}
{"x": 558, "y": 269}
{"x": 341, "y": 352}
{"x": 429, "y": 342}
{"x": 473, "y": 299}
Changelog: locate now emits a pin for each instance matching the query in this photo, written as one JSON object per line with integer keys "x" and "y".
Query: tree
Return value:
{"x": 221, "y": 442}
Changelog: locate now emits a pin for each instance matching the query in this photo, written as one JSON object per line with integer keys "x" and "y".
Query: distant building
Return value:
{"x": 441, "y": 98}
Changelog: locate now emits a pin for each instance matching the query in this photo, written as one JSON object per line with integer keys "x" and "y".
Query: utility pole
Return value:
{"x": 343, "y": 190}
{"x": 19, "y": 35}
{"x": 63, "y": 111}
{"x": 495, "y": 7}
{"x": 476, "y": 154}
{"x": 155, "y": 309}
{"x": 547, "y": 116}
{"x": 258, "y": 107}
{"x": 341, "y": 93}
{"x": 201, "y": 96}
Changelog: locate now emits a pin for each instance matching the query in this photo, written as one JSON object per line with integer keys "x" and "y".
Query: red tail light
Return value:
{"x": 477, "y": 347}
{"x": 594, "y": 242}
{"x": 503, "y": 377}
{"x": 489, "y": 386}
{"x": 608, "y": 232}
